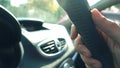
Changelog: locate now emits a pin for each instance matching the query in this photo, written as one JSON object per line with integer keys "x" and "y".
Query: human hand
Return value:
{"x": 110, "y": 32}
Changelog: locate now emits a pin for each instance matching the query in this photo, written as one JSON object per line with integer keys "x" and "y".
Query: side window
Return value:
{"x": 113, "y": 13}
{"x": 113, "y": 9}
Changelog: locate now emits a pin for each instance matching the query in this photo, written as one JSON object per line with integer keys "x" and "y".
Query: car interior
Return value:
{"x": 30, "y": 42}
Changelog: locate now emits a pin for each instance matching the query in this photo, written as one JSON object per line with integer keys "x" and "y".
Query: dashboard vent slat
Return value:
{"x": 49, "y": 47}
{"x": 62, "y": 42}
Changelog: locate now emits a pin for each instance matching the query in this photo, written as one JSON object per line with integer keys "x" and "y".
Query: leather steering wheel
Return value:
{"x": 79, "y": 12}
{"x": 10, "y": 35}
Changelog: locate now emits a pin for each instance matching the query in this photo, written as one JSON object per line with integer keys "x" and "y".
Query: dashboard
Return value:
{"x": 45, "y": 45}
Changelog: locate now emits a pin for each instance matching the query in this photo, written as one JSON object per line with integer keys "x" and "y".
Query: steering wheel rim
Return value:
{"x": 79, "y": 13}
{"x": 10, "y": 36}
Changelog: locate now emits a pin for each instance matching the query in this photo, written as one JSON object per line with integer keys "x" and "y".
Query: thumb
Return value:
{"x": 107, "y": 26}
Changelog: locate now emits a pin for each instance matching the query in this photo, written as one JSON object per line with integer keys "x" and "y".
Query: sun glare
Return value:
{"x": 17, "y": 3}
{"x": 92, "y": 2}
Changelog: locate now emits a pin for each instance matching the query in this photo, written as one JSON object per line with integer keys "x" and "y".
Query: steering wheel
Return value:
{"x": 10, "y": 47}
{"x": 79, "y": 13}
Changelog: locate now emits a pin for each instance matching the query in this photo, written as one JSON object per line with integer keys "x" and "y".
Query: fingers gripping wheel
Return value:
{"x": 79, "y": 13}
{"x": 10, "y": 34}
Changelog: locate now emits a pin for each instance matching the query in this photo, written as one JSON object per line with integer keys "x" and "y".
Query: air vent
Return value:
{"x": 49, "y": 47}
{"x": 52, "y": 47}
{"x": 62, "y": 42}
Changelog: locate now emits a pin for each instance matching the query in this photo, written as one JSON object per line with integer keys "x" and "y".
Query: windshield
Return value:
{"x": 47, "y": 10}
{"x": 92, "y": 2}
